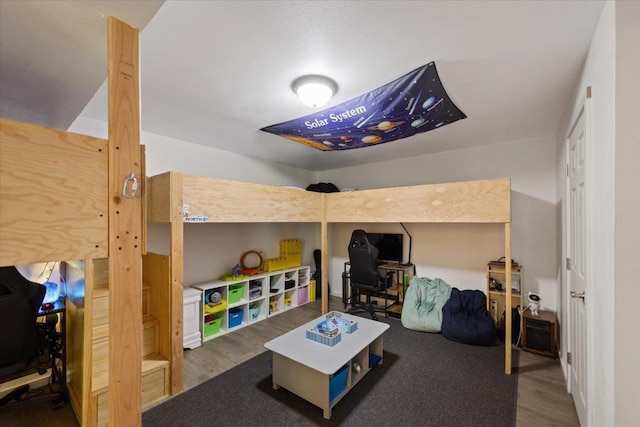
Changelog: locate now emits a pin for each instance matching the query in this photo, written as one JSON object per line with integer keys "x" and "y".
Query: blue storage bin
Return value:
{"x": 235, "y": 317}
{"x": 373, "y": 359}
{"x": 338, "y": 382}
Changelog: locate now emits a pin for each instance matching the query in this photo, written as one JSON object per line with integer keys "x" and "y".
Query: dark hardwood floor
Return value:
{"x": 542, "y": 396}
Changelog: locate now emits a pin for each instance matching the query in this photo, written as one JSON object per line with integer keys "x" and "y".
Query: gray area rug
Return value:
{"x": 425, "y": 380}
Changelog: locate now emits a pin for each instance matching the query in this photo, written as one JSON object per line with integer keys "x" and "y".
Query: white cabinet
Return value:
{"x": 230, "y": 305}
{"x": 191, "y": 318}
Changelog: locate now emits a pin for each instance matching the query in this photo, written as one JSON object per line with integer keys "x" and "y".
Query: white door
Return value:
{"x": 577, "y": 264}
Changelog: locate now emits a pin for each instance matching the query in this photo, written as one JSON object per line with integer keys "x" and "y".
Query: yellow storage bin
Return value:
{"x": 312, "y": 290}
{"x": 275, "y": 264}
{"x": 216, "y": 308}
{"x": 289, "y": 246}
{"x": 293, "y": 260}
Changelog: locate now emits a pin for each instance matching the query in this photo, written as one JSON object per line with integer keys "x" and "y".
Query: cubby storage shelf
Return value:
{"x": 250, "y": 299}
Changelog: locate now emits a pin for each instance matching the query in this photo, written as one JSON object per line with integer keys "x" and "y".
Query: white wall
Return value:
{"x": 459, "y": 253}
{"x": 612, "y": 292}
{"x": 165, "y": 154}
{"x": 627, "y": 206}
{"x": 211, "y": 250}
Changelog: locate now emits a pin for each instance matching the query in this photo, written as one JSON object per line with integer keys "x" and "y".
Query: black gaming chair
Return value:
{"x": 24, "y": 346}
{"x": 364, "y": 274}
{"x": 20, "y": 300}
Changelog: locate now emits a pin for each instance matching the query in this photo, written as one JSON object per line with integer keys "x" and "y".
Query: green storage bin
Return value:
{"x": 212, "y": 324}
{"x": 235, "y": 293}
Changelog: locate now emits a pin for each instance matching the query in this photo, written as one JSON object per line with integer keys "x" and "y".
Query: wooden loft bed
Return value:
{"x": 61, "y": 199}
{"x": 213, "y": 200}
{"x": 483, "y": 201}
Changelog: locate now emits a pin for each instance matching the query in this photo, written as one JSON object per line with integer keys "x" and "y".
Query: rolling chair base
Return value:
{"x": 368, "y": 308}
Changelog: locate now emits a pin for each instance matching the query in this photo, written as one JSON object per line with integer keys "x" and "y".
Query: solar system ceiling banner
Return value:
{"x": 412, "y": 104}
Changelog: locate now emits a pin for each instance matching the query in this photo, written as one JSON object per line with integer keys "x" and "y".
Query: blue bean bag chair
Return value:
{"x": 465, "y": 318}
{"x": 423, "y": 302}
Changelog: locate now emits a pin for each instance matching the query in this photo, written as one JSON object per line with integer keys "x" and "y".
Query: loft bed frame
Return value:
{"x": 213, "y": 200}
{"x": 61, "y": 199}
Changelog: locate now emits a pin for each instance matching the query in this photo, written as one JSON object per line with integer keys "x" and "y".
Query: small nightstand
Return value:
{"x": 540, "y": 333}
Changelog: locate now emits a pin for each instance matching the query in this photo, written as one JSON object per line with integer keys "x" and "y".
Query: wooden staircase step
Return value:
{"x": 100, "y": 312}
{"x": 100, "y": 348}
{"x": 146, "y": 299}
{"x": 100, "y": 333}
{"x": 150, "y": 335}
{"x": 99, "y": 383}
{"x": 100, "y": 356}
{"x": 155, "y": 379}
{"x": 155, "y": 386}
{"x": 100, "y": 291}
{"x": 153, "y": 362}
{"x": 149, "y": 321}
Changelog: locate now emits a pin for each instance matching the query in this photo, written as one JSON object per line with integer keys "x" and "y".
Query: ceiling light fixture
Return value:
{"x": 314, "y": 90}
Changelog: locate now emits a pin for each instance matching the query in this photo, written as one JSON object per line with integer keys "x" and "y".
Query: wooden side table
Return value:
{"x": 540, "y": 333}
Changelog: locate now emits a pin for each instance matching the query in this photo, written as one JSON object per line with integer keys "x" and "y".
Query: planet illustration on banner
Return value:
{"x": 414, "y": 103}
{"x": 372, "y": 139}
{"x": 418, "y": 122}
{"x": 386, "y": 126}
{"x": 429, "y": 102}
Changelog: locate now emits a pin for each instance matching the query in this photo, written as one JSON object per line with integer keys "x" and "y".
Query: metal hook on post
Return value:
{"x": 134, "y": 186}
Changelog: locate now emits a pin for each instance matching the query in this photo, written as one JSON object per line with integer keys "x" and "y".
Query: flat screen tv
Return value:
{"x": 389, "y": 246}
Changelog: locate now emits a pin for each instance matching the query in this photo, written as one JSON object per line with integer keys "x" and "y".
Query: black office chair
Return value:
{"x": 24, "y": 345}
{"x": 364, "y": 275}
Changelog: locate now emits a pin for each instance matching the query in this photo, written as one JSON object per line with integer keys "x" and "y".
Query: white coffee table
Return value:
{"x": 305, "y": 367}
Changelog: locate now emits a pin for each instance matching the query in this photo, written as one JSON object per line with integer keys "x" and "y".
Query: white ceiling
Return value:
{"x": 215, "y": 72}
{"x": 53, "y": 55}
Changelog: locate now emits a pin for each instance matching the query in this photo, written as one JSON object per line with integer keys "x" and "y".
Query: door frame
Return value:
{"x": 583, "y": 106}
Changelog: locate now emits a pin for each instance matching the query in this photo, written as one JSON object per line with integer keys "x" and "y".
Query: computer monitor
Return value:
{"x": 389, "y": 246}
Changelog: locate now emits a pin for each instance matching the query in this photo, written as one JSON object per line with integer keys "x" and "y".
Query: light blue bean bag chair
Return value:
{"x": 423, "y": 302}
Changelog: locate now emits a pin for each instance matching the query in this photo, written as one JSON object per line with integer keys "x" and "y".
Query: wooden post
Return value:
{"x": 142, "y": 187}
{"x": 125, "y": 227}
{"x": 177, "y": 278}
{"x": 507, "y": 304}
{"x": 325, "y": 255}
